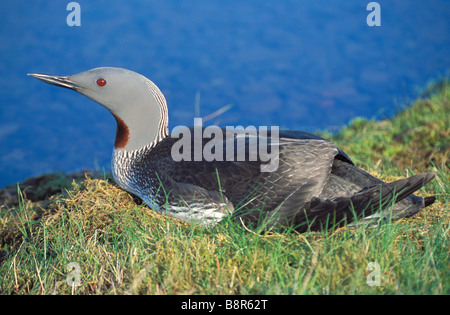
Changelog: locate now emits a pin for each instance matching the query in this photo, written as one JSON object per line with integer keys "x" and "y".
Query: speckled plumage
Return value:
{"x": 314, "y": 180}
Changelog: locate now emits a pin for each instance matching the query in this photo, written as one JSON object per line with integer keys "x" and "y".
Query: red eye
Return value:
{"x": 101, "y": 82}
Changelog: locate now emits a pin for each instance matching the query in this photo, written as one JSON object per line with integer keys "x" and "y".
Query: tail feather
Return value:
{"x": 365, "y": 202}
{"x": 382, "y": 195}
{"x": 428, "y": 201}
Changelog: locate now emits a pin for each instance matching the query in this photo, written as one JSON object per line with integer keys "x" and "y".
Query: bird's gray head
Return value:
{"x": 136, "y": 102}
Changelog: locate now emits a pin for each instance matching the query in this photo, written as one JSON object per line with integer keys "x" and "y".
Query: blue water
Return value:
{"x": 303, "y": 65}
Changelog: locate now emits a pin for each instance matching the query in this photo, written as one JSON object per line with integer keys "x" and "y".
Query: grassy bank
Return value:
{"x": 119, "y": 246}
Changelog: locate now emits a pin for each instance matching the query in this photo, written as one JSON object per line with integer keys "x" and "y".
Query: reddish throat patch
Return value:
{"x": 122, "y": 134}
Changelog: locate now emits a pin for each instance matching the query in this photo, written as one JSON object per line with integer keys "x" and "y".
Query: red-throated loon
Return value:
{"x": 314, "y": 185}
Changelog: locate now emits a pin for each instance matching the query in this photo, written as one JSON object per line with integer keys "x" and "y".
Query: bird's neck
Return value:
{"x": 143, "y": 124}
{"x": 122, "y": 133}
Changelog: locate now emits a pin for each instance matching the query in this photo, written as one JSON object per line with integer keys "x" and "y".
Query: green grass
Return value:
{"x": 122, "y": 247}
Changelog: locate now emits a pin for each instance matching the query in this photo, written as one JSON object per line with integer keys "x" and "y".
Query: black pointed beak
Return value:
{"x": 57, "y": 80}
